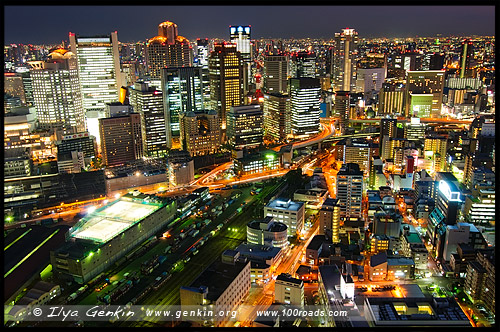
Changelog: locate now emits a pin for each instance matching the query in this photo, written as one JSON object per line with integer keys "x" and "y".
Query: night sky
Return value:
{"x": 51, "y": 24}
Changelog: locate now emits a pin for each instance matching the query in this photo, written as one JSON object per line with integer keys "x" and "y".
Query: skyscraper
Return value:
{"x": 57, "y": 93}
{"x": 200, "y": 132}
{"x": 425, "y": 82}
{"x": 202, "y": 52}
{"x": 304, "y": 102}
{"x": 245, "y": 126}
{"x": 148, "y": 102}
{"x": 329, "y": 219}
{"x": 226, "y": 79}
{"x": 466, "y": 56}
{"x": 349, "y": 188}
{"x": 388, "y": 130}
{"x": 277, "y": 124}
{"x": 121, "y": 139}
{"x": 183, "y": 89}
{"x": 240, "y": 35}
{"x": 391, "y": 98}
{"x": 344, "y": 60}
{"x": 99, "y": 69}
{"x": 303, "y": 64}
{"x": 168, "y": 49}
{"x": 341, "y": 107}
{"x": 275, "y": 73}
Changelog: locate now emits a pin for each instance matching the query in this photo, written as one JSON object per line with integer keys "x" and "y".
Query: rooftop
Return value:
{"x": 217, "y": 277}
{"x": 285, "y": 204}
{"x": 114, "y": 218}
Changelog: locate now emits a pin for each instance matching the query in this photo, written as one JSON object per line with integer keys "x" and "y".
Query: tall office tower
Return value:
{"x": 357, "y": 151}
{"x": 329, "y": 219}
{"x": 368, "y": 79}
{"x": 303, "y": 64}
{"x": 148, "y": 102}
{"x": 341, "y": 107}
{"x": 448, "y": 205}
{"x": 57, "y": 94}
{"x": 202, "y": 52}
{"x": 277, "y": 124}
{"x": 388, "y": 131}
{"x": 245, "y": 126}
{"x": 241, "y": 36}
{"x": 28, "y": 88}
{"x": 435, "y": 148}
{"x": 13, "y": 85}
{"x": 275, "y": 73}
{"x": 436, "y": 61}
{"x": 344, "y": 60}
{"x": 304, "y": 105}
{"x": 414, "y": 130}
{"x": 99, "y": 69}
{"x": 202, "y": 61}
{"x": 200, "y": 132}
{"x": 183, "y": 89}
{"x": 466, "y": 57}
{"x": 226, "y": 79}
{"x": 391, "y": 98}
{"x": 426, "y": 82}
{"x": 121, "y": 139}
{"x": 168, "y": 49}
{"x": 349, "y": 192}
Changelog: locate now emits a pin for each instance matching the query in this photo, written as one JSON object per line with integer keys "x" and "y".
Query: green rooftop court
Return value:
{"x": 107, "y": 222}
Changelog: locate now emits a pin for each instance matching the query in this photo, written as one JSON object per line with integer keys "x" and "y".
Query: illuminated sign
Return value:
{"x": 94, "y": 40}
{"x": 452, "y": 196}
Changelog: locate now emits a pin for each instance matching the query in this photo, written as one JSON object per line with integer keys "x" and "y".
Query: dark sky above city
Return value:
{"x": 51, "y": 24}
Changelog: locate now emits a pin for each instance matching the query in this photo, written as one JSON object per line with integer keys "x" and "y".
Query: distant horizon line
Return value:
{"x": 278, "y": 38}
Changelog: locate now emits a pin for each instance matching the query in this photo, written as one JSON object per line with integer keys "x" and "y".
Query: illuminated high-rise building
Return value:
{"x": 277, "y": 124}
{"x": 388, "y": 131}
{"x": 344, "y": 60}
{"x": 13, "y": 85}
{"x": 148, "y": 102}
{"x": 99, "y": 69}
{"x": 304, "y": 105}
{"x": 200, "y": 132}
{"x": 226, "y": 79}
{"x": 168, "y": 49}
{"x": 303, "y": 64}
{"x": 329, "y": 219}
{"x": 121, "y": 139}
{"x": 391, "y": 98}
{"x": 245, "y": 126}
{"x": 275, "y": 73}
{"x": 202, "y": 52}
{"x": 466, "y": 56}
{"x": 183, "y": 92}
{"x": 421, "y": 83}
{"x": 240, "y": 35}
{"x": 57, "y": 94}
{"x": 341, "y": 107}
{"x": 349, "y": 191}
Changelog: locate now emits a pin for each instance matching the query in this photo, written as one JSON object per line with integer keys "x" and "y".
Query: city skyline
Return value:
{"x": 266, "y": 21}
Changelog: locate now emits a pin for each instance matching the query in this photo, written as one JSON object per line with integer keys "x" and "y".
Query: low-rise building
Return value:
{"x": 288, "y": 212}
{"x": 104, "y": 236}
{"x": 411, "y": 311}
{"x": 222, "y": 286}
{"x": 268, "y": 232}
{"x": 400, "y": 268}
{"x": 313, "y": 198}
{"x": 289, "y": 290}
